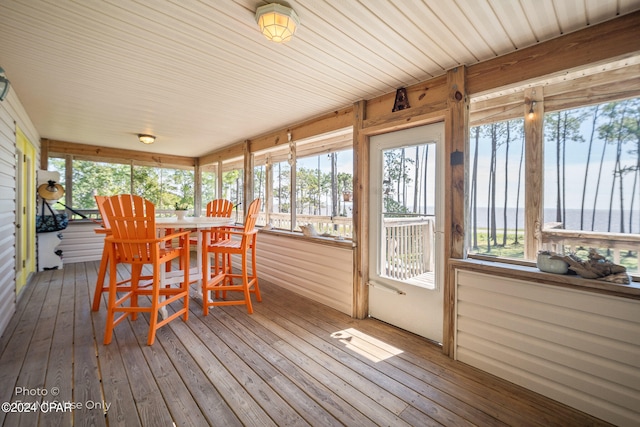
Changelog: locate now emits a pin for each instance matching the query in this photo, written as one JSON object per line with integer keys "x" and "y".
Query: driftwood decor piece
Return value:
{"x": 596, "y": 267}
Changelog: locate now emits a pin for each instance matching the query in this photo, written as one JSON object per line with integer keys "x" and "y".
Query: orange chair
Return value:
{"x": 133, "y": 241}
{"x": 222, "y": 208}
{"x": 215, "y": 208}
{"x": 104, "y": 262}
{"x": 218, "y": 208}
{"x": 221, "y": 279}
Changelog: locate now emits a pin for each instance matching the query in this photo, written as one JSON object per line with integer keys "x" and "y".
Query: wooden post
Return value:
{"x": 218, "y": 179}
{"x": 44, "y": 154}
{"x": 248, "y": 175}
{"x": 360, "y": 214}
{"x": 268, "y": 189}
{"x": 197, "y": 183}
{"x": 534, "y": 172}
{"x": 456, "y": 201}
{"x": 293, "y": 179}
{"x": 68, "y": 180}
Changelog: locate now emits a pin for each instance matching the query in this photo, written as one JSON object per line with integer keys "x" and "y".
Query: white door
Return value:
{"x": 406, "y": 202}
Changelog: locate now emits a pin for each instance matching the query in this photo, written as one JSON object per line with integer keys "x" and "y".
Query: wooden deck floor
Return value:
{"x": 293, "y": 362}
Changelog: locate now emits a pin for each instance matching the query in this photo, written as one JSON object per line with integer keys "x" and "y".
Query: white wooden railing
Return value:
{"x": 336, "y": 226}
{"x": 407, "y": 247}
{"x": 566, "y": 241}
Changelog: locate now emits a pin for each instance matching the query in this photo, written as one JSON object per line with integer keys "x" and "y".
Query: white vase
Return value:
{"x": 180, "y": 214}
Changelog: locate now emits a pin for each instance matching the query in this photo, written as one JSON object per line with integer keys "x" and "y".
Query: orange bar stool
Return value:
{"x": 218, "y": 208}
{"x": 134, "y": 242}
{"x": 233, "y": 241}
{"x": 104, "y": 261}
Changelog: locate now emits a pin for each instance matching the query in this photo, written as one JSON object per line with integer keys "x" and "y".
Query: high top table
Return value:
{"x": 198, "y": 224}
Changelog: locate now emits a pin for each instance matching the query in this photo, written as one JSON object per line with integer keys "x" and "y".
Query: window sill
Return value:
{"x": 330, "y": 241}
{"x": 531, "y": 273}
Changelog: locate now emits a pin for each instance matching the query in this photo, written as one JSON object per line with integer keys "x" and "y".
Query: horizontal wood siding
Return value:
{"x": 321, "y": 272}
{"x": 580, "y": 348}
{"x": 7, "y": 214}
{"x": 80, "y": 243}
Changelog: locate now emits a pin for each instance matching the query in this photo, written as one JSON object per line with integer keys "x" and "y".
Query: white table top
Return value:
{"x": 199, "y": 222}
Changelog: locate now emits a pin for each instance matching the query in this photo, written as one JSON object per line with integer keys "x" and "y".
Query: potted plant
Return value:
{"x": 181, "y": 209}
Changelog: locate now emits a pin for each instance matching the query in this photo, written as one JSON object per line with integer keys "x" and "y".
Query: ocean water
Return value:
{"x": 572, "y": 220}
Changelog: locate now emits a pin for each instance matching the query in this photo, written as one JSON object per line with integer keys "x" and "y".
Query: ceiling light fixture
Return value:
{"x": 277, "y": 22}
{"x": 146, "y": 139}
{"x": 4, "y": 85}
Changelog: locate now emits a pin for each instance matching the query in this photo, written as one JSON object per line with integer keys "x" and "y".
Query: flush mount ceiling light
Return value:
{"x": 146, "y": 139}
{"x": 4, "y": 85}
{"x": 277, "y": 22}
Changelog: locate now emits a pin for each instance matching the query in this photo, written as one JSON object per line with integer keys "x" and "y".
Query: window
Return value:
{"x": 281, "y": 185}
{"x": 209, "y": 184}
{"x": 163, "y": 186}
{"x": 233, "y": 186}
{"x": 588, "y": 190}
{"x": 324, "y": 184}
{"x": 259, "y": 189}
{"x": 94, "y": 178}
{"x": 592, "y": 177}
{"x": 496, "y": 184}
{"x": 280, "y": 213}
{"x": 319, "y": 191}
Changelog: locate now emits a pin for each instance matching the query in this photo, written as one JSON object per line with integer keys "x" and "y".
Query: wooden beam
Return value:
{"x": 562, "y": 94}
{"x": 336, "y": 120}
{"x": 594, "y": 89}
{"x": 95, "y": 152}
{"x": 602, "y": 42}
{"x": 405, "y": 119}
{"x": 456, "y": 200}
{"x": 534, "y": 172}
{"x": 360, "y": 214}
{"x": 229, "y": 152}
{"x": 430, "y": 92}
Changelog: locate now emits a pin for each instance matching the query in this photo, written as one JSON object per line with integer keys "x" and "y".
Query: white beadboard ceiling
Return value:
{"x": 199, "y": 75}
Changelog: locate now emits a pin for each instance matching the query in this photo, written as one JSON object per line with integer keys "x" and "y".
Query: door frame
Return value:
{"x": 453, "y": 110}
{"x": 25, "y": 245}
